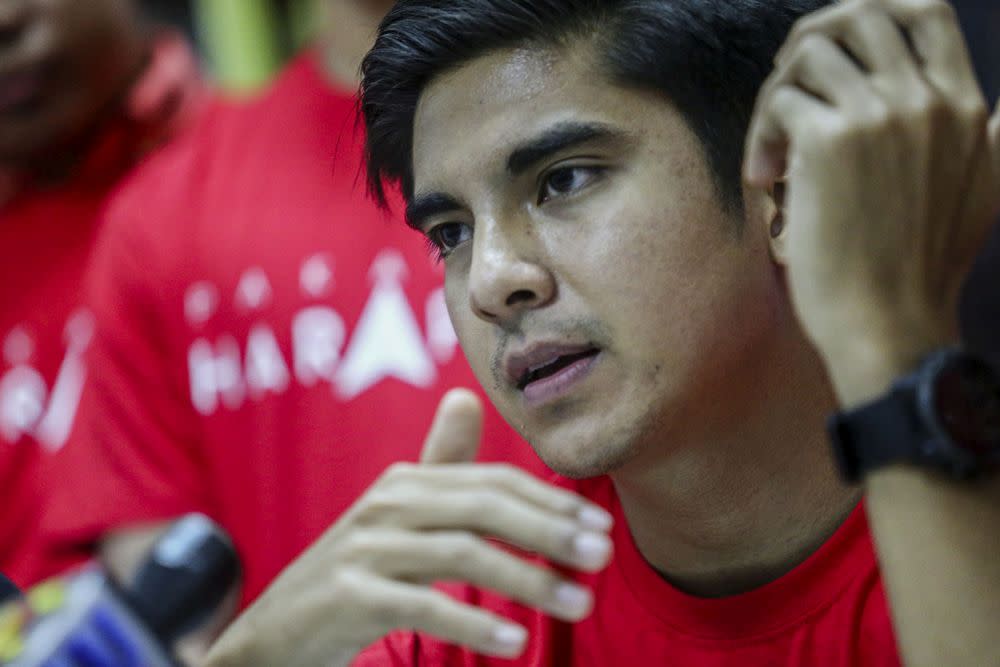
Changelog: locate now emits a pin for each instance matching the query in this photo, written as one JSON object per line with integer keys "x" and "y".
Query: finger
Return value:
{"x": 505, "y": 478}
{"x": 783, "y": 113}
{"x": 411, "y": 607}
{"x": 456, "y": 556}
{"x": 457, "y": 429}
{"x": 489, "y": 512}
{"x": 871, "y": 36}
{"x": 822, "y": 68}
{"x": 938, "y": 41}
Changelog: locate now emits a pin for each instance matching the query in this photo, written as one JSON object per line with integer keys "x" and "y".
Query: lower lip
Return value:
{"x": 558, "y": 385}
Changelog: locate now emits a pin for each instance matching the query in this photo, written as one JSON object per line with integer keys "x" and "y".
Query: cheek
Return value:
{"x": 671, "y": 280}
{"x": 474, "y": 335}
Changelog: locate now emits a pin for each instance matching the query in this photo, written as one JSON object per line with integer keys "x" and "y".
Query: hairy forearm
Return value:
{"x": 938, "y": 542}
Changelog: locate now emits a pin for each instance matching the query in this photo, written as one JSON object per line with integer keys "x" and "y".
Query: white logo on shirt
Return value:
{"x": 254, "y": 290}
{"x": 26, "y": 406}
{"x": 200, "y": 303}
{"x": 316, "y": 276}
{"x": 216, "y": 372}
{"x": 386, "y": 343}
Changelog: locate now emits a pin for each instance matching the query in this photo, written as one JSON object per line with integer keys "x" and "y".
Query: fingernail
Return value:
{"x": 573, "y": 599}
{"x": 510, "y": 638}
{"x": 595, "y": 518}
{"x": 591, "y": 549}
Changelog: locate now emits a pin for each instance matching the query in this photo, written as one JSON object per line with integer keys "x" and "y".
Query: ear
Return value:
{"x": 776, "y": 221}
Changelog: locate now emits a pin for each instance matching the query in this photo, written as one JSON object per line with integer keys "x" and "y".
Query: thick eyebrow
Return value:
{"x": 425, "y": 206}
{"x": 556, "y": 139}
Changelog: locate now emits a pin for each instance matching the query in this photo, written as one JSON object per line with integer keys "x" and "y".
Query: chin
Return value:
{"x": 582, "y": 457}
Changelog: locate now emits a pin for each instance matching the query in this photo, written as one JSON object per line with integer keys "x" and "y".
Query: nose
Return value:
{"x": 505, "y": 281}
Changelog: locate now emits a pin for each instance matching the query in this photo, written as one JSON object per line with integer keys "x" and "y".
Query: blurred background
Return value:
{"x": 244, "y": 42}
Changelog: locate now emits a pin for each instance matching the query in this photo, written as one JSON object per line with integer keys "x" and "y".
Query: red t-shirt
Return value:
{"x": 268, "y": 341}
{"x": 829, "y": 611}
{"x": 46, "y": 236}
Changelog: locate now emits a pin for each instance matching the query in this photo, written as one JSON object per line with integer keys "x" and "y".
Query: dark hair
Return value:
{"x": 708, "y": 57}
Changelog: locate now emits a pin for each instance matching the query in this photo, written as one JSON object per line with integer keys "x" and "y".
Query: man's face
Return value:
{"x": 599, "y": 290}
{"x": 61, "y": 63}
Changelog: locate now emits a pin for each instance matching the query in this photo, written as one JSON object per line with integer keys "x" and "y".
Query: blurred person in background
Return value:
{"x": 86, "y": 88}
{"x": 267, "y": 340}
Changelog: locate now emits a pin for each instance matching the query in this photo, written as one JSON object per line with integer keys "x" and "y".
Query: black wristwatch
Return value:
{"x": 945, "y": 416}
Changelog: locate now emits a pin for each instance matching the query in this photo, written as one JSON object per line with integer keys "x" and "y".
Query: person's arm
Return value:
{"x": 893, "y": 172}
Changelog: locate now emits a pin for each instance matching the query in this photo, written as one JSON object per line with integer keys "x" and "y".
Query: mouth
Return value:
{"x": 549, "y": 371}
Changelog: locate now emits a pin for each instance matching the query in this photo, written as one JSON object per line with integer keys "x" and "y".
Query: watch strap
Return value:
{"x": 874, "y": 435}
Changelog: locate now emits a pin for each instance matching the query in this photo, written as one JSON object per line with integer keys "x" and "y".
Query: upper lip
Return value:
{"x": 517, "y": 364}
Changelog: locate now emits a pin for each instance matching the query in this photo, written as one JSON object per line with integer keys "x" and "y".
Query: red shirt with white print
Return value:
{"x": 46, "y": 235}
{"x": 268, "y": 341}
{"x": 830, "y": 611}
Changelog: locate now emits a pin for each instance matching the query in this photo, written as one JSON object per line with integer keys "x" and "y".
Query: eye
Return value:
{"x": 567, "y": 181}
{"x": 447, "y": 236}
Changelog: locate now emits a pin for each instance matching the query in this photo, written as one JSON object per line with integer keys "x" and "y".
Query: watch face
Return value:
{"x": 967, "y": 403}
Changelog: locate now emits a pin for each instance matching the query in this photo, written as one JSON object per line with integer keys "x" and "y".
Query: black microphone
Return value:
{"x": 90, "y": 620}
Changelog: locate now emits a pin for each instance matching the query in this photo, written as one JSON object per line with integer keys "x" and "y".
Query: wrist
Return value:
{"x": 863, "y": 367}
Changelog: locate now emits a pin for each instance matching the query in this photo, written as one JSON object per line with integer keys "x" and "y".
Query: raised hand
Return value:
{"x": 874, "y": 116}
{"x": 371, "y": 573}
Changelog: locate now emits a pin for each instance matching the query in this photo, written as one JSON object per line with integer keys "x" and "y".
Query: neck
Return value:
{"x": 348, "y": 34}
{"x": 746, "y": 496}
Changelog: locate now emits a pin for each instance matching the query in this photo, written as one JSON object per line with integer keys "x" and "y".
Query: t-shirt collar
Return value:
{"x": 845, "y": 557}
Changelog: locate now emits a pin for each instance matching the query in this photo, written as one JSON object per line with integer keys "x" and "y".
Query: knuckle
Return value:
{"x": 937, "y": 9}
{"x": 878, "y": 116}
{"x": 381, "y": 506}
{"x": 399, "y": 471}
{"x": 360, "y": 548}
{"x": 804, "y": 52}
{"x": 482, "y": 503}
{"x": 346, "y": 584}
{"x": 459, "y": 549}
{"x": 807, "y": 24}
{"x": 506, "y": 471}
{"x": 974, "y": 112}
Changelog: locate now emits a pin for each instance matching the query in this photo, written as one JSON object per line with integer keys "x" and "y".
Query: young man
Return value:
{"x": 267, "y": 340}
{"x": 85, "y": 90}
{"x": 674, "y": 340}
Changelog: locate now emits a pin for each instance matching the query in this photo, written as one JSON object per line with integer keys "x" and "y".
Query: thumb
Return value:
{"x": 457, "y": 429}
